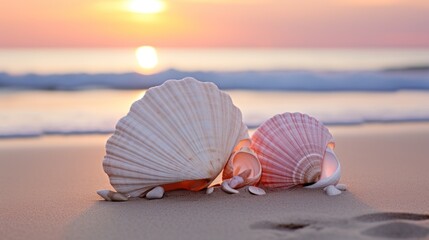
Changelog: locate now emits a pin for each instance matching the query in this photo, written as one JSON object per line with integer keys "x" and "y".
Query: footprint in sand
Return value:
{"x": 388, "y": 216}
{"x": 280, "y": 226}
{"x": 395, "y": 229}
{"x": 355, "y": 228}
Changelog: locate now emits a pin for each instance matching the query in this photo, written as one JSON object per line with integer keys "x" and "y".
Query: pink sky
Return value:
{"x": 216, "y": 23}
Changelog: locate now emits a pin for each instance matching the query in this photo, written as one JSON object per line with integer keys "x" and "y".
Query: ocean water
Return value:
{"x": 119, "y": 60}
{"x": 83, "y": 91}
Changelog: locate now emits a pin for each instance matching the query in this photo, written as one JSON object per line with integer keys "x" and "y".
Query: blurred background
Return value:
{"x": 75, "y": 67}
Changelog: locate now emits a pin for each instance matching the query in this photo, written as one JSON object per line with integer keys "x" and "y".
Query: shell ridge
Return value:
{"x": 277, "y": 152}
{"x": 310, "y": 158}
{"x": 120, "y": 166}
{"x": 167, "y": 142}
{"x": 168, "y": 125}
{"x": 127, "y": 151}
{"x": 138, "y": 136}
{"x": 229, "y": 114}
{"x": 299, "y": 130}
{"x": 196, "y": 145}
{"x": 182, "y": 125}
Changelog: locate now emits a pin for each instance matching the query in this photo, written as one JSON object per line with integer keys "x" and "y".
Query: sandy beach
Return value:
{"x": 49, "y": 192}
{"x": 180, "y": 83}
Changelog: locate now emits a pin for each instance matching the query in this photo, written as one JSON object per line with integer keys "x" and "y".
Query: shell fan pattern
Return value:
{"x": 295, "y": 150}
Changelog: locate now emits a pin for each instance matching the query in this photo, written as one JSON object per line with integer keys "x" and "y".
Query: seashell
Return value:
{"x": 235, "y": 181}
{"x": 112, "y": 196}
{"x": 155, "y": 193}
{"x": 296, "y": 150}
{"x": 178, "y": 136}
{"x": 256, "y": 190}
{"x": 210, "y": 190}
{"x": 341, "y": 187}
{"x": 244, "y": 163}
{"x": 228, "y": 189}
{"x": 331, "y": 170}
{"x": 331, "y": 190}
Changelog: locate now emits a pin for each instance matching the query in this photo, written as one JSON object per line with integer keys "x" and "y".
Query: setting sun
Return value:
{"x": 146, "y": 6}
{"x": 147, "y": 57}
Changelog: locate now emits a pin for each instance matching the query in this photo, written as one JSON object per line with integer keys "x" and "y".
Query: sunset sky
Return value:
{"x": 215, "y": 23}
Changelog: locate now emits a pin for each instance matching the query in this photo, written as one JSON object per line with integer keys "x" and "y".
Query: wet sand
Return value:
{"x": 48, "y": 192}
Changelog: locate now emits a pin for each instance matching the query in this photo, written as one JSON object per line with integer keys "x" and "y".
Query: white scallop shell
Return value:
{"x": 295, "y": 150}
{"x": 179, "y": 135}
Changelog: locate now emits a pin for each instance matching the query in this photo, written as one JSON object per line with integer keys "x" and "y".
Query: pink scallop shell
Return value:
{"x": 291, "y": 148}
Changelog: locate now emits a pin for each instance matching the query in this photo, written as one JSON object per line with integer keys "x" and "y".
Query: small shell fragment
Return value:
{"x": 112, "y": 196}
{"x": 341, "y": 187}
{"x": 210, "y": 190}
{"x": 256, "y": 191}
{"x": 331, "y": 190}
{"x": 235, "y": 181}
{"x": 226, "y": 188}
{"x": 156, "y": 193}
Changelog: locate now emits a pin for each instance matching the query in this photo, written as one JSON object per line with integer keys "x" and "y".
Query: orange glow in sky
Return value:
{"x": 214, "y": 23}
{"x": 146, "y": 6}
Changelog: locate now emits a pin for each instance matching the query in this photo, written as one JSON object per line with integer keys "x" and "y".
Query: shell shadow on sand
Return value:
{"x": 396, "y": 226}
